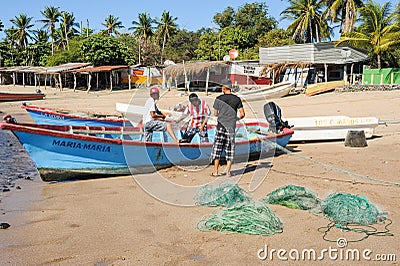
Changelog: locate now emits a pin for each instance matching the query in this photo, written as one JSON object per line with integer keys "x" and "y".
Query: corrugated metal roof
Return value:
{"x": 99, "y": 69}
{"x": 63, "y": 68}
{"x": 315, "y": 53}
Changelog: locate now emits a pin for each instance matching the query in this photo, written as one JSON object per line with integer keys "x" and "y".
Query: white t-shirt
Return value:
{"x": 150, "y": 106}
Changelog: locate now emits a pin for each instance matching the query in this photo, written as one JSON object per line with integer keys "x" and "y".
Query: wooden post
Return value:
{"x": 372, "y": 79}
{"x": 351, "y": 74}
{"x": 381, "y": 79}
{"x": 273, "y": 77}
{"x": 184, "y": 72}
{"x": 163, "y": 79}
{"x": 97, "y": 80}
{"x": 301, "y": 77}
{"x": 326, "y": 72}
{"x": 362, "y": 79}
{"x": 207, "y": 79}
{"x": 34, "y": 75}
{"x": 14, "y": 78}
{"x": 111, "y": 81}
{"x": 129, "y": 80}
{"x": 60, "y": 80}
{"x": 392, "y": 78}
{"x": 45, "y": 80}
{"x": 74, "y": 81}
{"x": 89, "y": 82}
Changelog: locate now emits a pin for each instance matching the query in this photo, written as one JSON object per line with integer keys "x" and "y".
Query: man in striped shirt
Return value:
{"x": 199, "y": 112}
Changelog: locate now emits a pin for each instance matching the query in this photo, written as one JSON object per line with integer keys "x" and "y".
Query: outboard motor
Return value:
{"x": 273, "y": 115}
{"x": 9, "y": 119}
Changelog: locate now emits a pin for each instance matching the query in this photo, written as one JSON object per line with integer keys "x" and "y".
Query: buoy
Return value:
{"x": 355, "y": 138}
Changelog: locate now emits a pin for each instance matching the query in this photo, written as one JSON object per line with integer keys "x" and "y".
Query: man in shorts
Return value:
{"x": 152, "y": 116}
{"x": 226, "y": 108}
{"x": 199, "y": 112}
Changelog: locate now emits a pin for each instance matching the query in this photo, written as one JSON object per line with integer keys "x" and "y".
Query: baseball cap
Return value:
{"x": 154, "y": 90}
{"x": 226, "y": 83}
{"x": 193, "y": 97}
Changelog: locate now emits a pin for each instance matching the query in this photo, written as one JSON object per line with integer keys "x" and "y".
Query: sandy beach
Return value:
{"x": 113, "y": 221}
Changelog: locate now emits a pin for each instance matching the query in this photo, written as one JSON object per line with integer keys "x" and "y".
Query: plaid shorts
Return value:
{"x": 191, "y": 132}
{"x": 224, "y": 140}
{"x": 151, "y": 126}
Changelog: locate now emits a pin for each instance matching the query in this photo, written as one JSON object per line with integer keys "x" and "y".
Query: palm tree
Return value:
{"x": 112, "y": 25}
{"x": 308, "y": 23}
{"x": 344, "y": 11}
{"x": 166, "y": 26}
{"x": 378, "y": 32}
{"x": 22, "y": 30}
{"x": 67, "y": 26}
{"x": 51, "y": 15}
{"x": 40, "y": 36}
{"x": 143, "y": 29}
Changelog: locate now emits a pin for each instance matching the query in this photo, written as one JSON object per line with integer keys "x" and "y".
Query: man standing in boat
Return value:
{"x": 199, "y": 112}
{"x": 226, "y": 108}
{"x": 152, "y": 116}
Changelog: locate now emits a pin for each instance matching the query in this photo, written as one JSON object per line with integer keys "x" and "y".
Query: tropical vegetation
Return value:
{"x": 57, "y": 38}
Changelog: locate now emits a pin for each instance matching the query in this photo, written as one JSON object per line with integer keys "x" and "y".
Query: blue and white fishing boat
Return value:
{"x": 43, "y": 115}
{"x": 76, "y": 152}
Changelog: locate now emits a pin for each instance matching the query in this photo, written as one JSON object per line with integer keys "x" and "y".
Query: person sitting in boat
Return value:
{"x": 152, "y": 116}
{"x": 199, "y": 112}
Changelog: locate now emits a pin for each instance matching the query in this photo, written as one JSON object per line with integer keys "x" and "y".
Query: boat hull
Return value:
{"x": 62, "y": 155}
{"x": 330, "y": 127}
{"x": 52, "y": 117}
{"x": 9, "y": 97}
{"x": 277, "y": 91}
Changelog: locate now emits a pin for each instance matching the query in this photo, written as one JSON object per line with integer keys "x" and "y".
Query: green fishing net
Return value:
{"x": 254, "y": 218}
{"x": 346, "y": 209}
{"x": 226, "y": 195}
{"x": 295, "y": 197}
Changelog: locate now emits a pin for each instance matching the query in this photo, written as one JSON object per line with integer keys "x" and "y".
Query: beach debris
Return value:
{"x": 253, "y": 218}
{"x": 4, "y": 225}
{"x": 294, "y": 197}
{"x": 225, "y": 194}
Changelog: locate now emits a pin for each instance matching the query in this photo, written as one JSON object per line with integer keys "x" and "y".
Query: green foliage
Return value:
{"x": 379, "y": 32}
{"x": 276, "y": 37}
{"x": 252, "y": 18}
{"x": 104, "y": 50}
{"x": 74, "y": 54}
{"x": 182, "y": 45}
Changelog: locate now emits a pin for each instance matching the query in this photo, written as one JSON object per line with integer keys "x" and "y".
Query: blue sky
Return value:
{"x": 192, "y": 15}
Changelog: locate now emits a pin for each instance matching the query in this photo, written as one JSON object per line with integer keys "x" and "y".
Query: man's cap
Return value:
{"x": 154, "y": 90}
{"x": 193, "y": 97}
{"x": 226, "y": 83}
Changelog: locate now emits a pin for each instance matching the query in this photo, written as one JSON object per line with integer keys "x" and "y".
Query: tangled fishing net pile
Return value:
{"x": 224, "y": 195}
{"x": 253, "y": 218}
{"x": 344, "y": 209}
{"x": 294, "y": 197}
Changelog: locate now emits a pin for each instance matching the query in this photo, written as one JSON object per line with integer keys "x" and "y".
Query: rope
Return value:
{"x": 333, "y": 167}
{"x": 253, "y": 218}
{"x": 223, "y": 195}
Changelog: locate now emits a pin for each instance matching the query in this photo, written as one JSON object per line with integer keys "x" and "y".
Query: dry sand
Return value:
{"x": 114, "y": 222}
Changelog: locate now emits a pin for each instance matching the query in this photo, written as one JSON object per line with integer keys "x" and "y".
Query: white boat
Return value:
{"x": 276, "y": 91}
{"x": 330, "y": 127}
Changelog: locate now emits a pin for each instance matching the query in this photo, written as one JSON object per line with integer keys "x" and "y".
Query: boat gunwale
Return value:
{"x": 55, "y": 112}
{"x": 49, "y": 130}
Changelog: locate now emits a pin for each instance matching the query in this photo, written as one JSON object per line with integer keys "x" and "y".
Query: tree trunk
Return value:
{"x": 163, "y": 46}
{"x": 379, "y": 60}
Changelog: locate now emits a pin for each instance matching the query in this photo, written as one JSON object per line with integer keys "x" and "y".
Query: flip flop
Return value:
{"x": 214, "y": 175}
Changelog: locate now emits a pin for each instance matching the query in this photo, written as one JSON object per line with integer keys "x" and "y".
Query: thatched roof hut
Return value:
{"x": 276, "y": 69}
{"x": 191, "y": 68}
